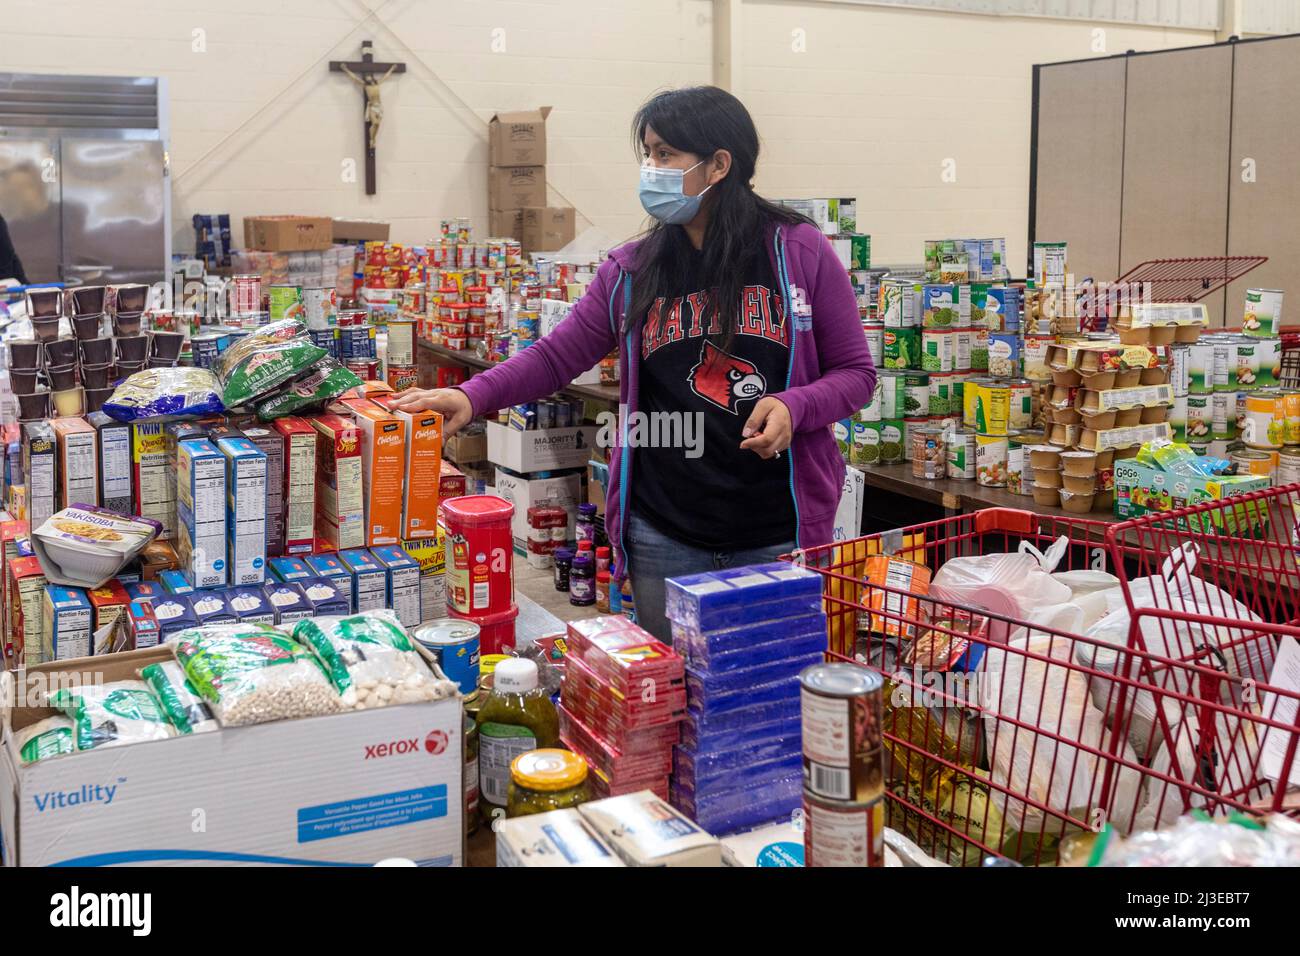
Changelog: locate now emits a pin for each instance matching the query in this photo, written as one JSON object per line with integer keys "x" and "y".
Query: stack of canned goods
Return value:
{"x": 843, "y": 766}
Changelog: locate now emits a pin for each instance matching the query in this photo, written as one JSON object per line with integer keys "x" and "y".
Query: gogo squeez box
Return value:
{"x": 308, "y": 791}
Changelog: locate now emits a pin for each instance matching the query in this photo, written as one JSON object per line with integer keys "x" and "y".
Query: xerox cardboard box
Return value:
{"x": 288, "y": 233}
{"x": 340, "y": 510}
{"x": 299, "y": 492}
{"x": 540, "y": 449}
{"x": 113, "y": 459}
{"x": 402, "y": 584}
{"x": 431, "y": 555}
{"x": 547, "y": 228}
{"x": 78, "y": 469}
{"x": 516, "y": 187}
{"x": 369, "y": 579}
{"x": 245, "y": 510}
{"x": 423, "y": 473}
{"x": 356, "y": 788}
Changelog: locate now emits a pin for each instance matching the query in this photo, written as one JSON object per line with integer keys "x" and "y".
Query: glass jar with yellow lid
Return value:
{"x": 545, "y": 780}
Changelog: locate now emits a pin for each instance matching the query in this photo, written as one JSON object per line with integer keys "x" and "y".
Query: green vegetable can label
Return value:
{"x": 916, "y": 394}
{"x": 866, "y": 443}
{"x": 1268, "y": 352}
{"x": 902, "y": 348}
{"x": 498, "y": 746}
{"x": 891, "y": 441}
{"x": 938, "y": 350}
{"x": 892, "y": 394}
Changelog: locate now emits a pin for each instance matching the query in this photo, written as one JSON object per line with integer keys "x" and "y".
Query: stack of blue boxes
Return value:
{"x": 746, "y": 633}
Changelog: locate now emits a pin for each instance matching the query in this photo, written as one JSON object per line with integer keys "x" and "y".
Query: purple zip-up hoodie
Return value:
{"x": 830, "y": 374}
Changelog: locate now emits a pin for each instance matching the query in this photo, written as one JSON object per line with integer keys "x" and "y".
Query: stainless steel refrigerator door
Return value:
{"x": 29, "y": 202}
{"x": 113, "y": 210}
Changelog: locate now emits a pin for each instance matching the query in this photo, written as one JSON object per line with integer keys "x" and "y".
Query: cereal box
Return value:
{"x": 369, "y": 579}
{"x": 201, "y": 497}
{"x": 423, "y": 473}
{"x": 152, "y": 477}
{"x": 113, "y": 462}
{"x": 24, "y": 610}
{"x": 431, "y": 554}
{"x": 66, "y": 623}
{"x": 340, "y": 515}
{"x": 40, "y": 471}
{"x": 109, "y": 604}
{"x": 403, "y": 584}
{"x": 76, "y": 468}
{"x": 245, "y": 510}
{"x": 452, "y": 482}
{"x": 145, "y": 630}
{"x": 383, "y": 467}
{"x": 271, "y": 444}
{"x": 299, "y": 494}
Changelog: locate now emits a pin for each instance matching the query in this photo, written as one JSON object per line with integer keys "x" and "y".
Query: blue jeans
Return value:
{"x": 653, "y": 556}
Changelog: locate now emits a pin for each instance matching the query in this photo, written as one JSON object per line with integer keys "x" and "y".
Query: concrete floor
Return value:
{"x": 539, "y": 585}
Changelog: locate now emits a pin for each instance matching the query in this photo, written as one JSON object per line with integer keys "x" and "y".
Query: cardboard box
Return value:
{"x": 145, "y": 629}
{"x": 1142, "y": 490}
{"x": 461, "y": 447}
{"x": 40, "y": 471}
{"x": 431, "y": 555}
{"x": 564, "y": 491}
{"x": 310, "y": 787}
{"x": 402, "y": 583}
{"x": 271, "y": 444}
{"x": 340, "y": 515}
{"x": 152, "y": 477}
{"x": 299, "y": 492}
{"x": 516, "y": 187}
{"x": 369, "y": 580}
{"x": 288, "y": 233}
{"x": 290, "y": 603}
{"x": 518, "y": 138}
{"x": 646, "y": 831}
{"x": 146, "y": 592}
{"x": 359, "y": 230}
{"x": 326, "y": 597}
{"x": 109, "y": 605}
{"x": 541, "y": 449}
{"x": 423, "y": 471}
{"x": 547, "y": 228}
{"x": 175, "y": 582}
{"x": 174, "y": 613}
{"x": 25, "y": 610}
{"x": 66, "y": 623}
{"x": 250, "y": 605}
{"x": 113, "y": 461}
{"x": 506, "y": 223}
{"x": 213, "y": 607}
{"x": 451, "y": 481}
{"x": 561, "y": 838}
{"x": 289, "y": 569}
{"x": 245, "y": 510}
{"x": 330, "y": 567}
{"x": 383, "y": 467}
{"x": 201, "y": 521}
{"x": 77, "y": 469}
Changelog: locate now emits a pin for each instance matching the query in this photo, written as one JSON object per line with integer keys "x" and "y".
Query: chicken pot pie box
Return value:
{"x": 84, "y": 546}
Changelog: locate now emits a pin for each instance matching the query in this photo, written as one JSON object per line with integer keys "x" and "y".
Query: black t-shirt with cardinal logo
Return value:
{"x": 691, "y": 479}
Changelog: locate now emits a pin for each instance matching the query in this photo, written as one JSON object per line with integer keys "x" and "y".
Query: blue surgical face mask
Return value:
{"x": 662, "y": 196}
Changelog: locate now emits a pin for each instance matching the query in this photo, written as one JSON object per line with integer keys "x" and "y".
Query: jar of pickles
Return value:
{"x": 545, "y": 780}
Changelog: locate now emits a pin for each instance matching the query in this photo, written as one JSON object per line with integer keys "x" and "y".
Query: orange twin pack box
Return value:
{"x": 423, "y": 473}
{"x": 340, "y": 508}
{"x": 299, "y": 493}
{"x": 383, "y": 464}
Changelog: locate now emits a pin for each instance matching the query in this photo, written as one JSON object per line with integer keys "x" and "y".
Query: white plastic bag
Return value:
{"x": 1049, "y": 698}
{"x": 1009, "y": 584}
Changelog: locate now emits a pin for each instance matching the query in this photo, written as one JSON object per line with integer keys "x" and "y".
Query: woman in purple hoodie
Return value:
{"x": 739, "y": 338}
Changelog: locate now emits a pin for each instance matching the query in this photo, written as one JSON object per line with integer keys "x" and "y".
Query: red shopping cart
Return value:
{"x": 1014, "y": 734}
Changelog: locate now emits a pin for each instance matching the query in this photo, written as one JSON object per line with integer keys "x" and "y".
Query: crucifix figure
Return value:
{"x": 366, "y": 73}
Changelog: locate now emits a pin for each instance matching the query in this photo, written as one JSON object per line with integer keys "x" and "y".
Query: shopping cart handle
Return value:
{"x": 1009, "y": 520}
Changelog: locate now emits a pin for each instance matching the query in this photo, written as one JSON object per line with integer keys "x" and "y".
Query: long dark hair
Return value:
{"x": 702, "y": 120}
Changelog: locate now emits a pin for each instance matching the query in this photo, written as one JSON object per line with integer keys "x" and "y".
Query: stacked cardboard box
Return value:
{"x": 517, "y": 183}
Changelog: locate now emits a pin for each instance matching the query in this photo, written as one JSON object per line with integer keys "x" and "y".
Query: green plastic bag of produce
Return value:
{"x": 51, "y": 737}
{"x": 269, "y": 367}
{"x": 188, "y": 712}
{"x": 247, "y": 346}
{"x": 113, "y": 714}
{"x": 325, "y": 380}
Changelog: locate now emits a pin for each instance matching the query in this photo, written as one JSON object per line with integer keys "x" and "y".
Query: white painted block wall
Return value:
{"x": 876, "y": 101}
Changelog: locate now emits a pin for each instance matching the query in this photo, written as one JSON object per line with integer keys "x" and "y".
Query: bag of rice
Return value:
{"x": 273, "y": 364}
{"x": 371, "y": 661}
{"x": 188, "y": 712}
{"x": 247, "y": 346}
{"x": 162, "y": 394}
{"x": 113, "y": 714}
{"x": 251, "y": 674}
{"x": 325, "y": 380}
{"x": 51, "y": 737}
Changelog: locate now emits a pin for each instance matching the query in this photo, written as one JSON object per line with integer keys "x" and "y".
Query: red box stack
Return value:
{"x": 623, "y": 699}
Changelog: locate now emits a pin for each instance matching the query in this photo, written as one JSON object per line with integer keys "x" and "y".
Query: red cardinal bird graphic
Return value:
{"x": 725, "y": 380}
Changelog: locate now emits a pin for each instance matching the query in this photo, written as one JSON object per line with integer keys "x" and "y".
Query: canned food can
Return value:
{"x": 1004, "y": 354}
{"x": 938, "y": 348}
{"x": 891, "y": 441}
{"x": 871, "y": 412}
{"x": 864, "y": 438}
{"x": 401, "y": 377}
{"x": 320, "y": 308}
{"x": 929, "y": 453}
{"x": 910, "y": 427}
{"x": 979, "y": 350}
{"x": 1291, "y": 414}
{"x": 992, "y": 408}
{"x": 364, "y": 369}
{"x": 991, "y": 453}
{"x": 1180, "y": 369}
{"x": 327, "y": 339}
{"x": 1178, "y": 419}
{"x": 347, "y": 317}
{"x": 545, "y": 414}
{"x": 1018, "y": 480}
{"x": 357, "y": 342}
{"x": 969, "y": 400}
{"x": 962, "y": 342}
{"x": 942, "y": 387}
{"x": 1288, "y": 466}
{"x": 1263, "y": 313}
{"x": 1269, "y": 353}
{"x": 1201, "y": 366}
{"x": 1225, "y": 363}
{"x": 1200, "y": 418}
{"x": 285, "y": 302}
{"x": 1265, "y": 424}
{"x": 875, "y": 333}
{"x": 843, "y": 835}
{"x": 205, "y": 349}
{"x": 454, "y": 643}
{"x": 563, "y": 415}
{"x": 245, "y": 294}
{"x": 892, "y": 393}
{"x": 1247, "y": 364}
{"x": 916, "y": 394}
{"x": 1223, "y": 412}
{"x": 1020, "y": 414}
{"x": 961, "y": 455}
{"x": 401, "y": 342}
{"x": 1259, "y": 464}
{"x": 841, "y": 714}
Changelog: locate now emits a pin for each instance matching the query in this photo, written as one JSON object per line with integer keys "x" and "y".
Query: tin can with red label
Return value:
{"x": 321, "y": 307}
{"x": 845, "y": 835}
{"x": 402, "y": 377}
{"x": 348, "y": 317}
{"x": 365, "y": 369}
{"x": 480, "y": 554}
{"x": 841, "y": 713}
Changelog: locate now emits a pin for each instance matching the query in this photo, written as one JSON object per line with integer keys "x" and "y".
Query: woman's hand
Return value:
{"x": 769, "y": 430}
{"x": 451, "y": 402}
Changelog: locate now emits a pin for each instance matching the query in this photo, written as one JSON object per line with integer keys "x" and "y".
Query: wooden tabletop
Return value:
{"x": 599, "y": 393}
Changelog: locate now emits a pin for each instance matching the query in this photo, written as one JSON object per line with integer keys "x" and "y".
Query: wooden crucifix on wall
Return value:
{"x": 368, "y": 74}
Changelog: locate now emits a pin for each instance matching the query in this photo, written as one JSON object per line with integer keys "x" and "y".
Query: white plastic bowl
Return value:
{"x": 82, "y": 561}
